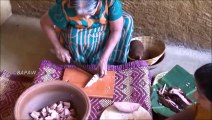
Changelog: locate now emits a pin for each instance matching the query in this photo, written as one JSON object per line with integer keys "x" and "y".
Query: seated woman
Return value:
{"x": 94, "y": 31}
{"x": 203, "y": 109}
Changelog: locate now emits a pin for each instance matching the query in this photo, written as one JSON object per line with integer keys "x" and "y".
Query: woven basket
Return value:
{"x": 153, "y": 49}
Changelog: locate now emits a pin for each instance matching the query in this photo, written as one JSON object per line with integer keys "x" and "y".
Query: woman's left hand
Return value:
{"x": 114, "y": 36}
{"x": 102, "y": 67}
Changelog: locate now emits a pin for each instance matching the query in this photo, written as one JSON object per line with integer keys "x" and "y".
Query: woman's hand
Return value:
{"x": 63, "y": 54}
{"x": 102, "y": 67}
{"x": 47, "y": 27}
{"x": 115, "y": 35}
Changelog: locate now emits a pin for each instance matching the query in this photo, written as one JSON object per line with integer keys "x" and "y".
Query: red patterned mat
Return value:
{"x": 11, "y": 87}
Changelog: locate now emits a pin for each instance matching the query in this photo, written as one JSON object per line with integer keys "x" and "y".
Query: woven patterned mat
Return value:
{"x": 132, "y": 84}
{"x": 11, "y": 87}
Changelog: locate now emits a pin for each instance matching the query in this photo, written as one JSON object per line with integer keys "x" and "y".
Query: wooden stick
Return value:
{"x": 164, "y": 87}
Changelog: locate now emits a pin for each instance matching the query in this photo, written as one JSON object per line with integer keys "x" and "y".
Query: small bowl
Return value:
{"x": 153, "y": 49}
{"x": 45, "y": 94}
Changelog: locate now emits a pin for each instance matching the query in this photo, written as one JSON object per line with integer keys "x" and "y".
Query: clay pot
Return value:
{"x": 47, "y": 93}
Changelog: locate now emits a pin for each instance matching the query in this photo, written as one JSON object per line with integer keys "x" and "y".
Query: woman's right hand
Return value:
{"x": 47, "y": 26}
{"x": 63, "y": 54}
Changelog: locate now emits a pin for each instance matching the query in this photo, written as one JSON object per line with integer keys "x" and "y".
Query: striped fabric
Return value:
{"x": 86, "y": 45}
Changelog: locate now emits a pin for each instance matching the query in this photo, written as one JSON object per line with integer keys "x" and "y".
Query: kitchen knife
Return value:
{"x": 76, "y": 64}
{"x": 94, "y": 79}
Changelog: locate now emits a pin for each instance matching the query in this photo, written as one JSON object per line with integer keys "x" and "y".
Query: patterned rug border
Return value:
{"x": 138, "y": 63}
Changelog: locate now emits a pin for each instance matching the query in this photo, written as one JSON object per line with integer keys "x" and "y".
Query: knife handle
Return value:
{"x": 77, "y": 64}
{"x": 82, "y": 67}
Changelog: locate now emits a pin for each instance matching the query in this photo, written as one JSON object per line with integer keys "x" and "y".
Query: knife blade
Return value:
{"x": 94, "y": 79}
